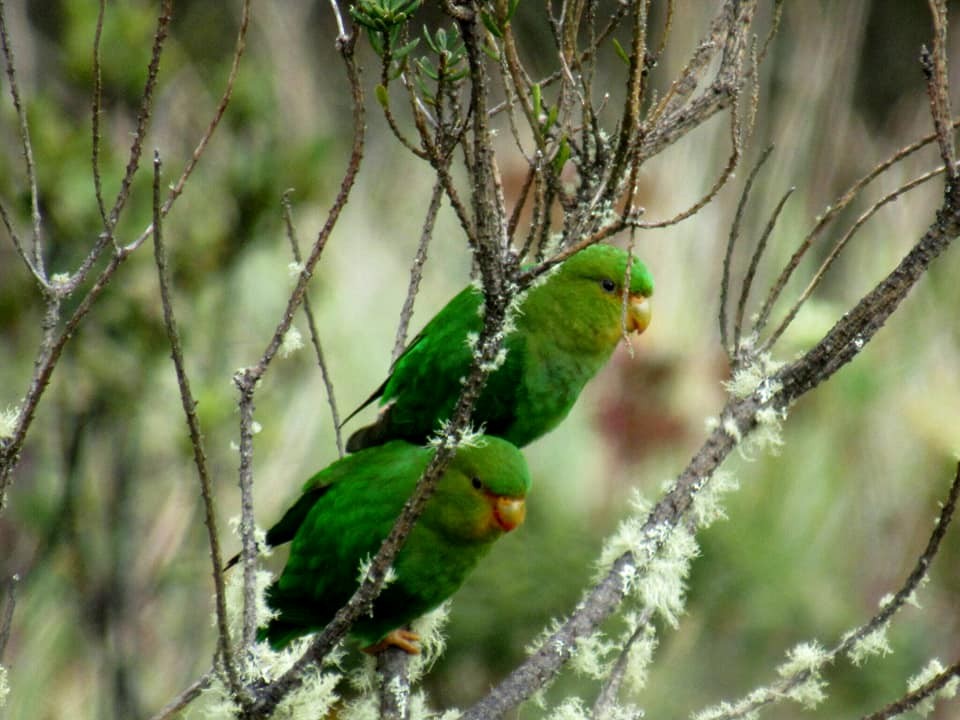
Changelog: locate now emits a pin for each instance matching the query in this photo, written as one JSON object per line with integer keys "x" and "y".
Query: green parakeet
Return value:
{"x": 565, "y": 329}
{"x": 348, "y": 509}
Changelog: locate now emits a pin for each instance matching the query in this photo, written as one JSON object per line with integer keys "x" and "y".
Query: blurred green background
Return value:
{"x": 104, "y": 523}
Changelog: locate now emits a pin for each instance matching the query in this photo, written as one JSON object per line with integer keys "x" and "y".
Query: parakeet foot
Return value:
{"x": 399, "y": 638}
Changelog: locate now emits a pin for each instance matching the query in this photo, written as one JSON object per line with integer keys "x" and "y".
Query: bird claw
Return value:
{"x": 400, "y": 638}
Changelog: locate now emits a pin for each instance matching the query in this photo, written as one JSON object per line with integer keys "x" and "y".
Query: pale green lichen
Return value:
{"x": 593, "y": 655}
{"x": 803, "y": 668}
{"x": 666, "y": 554}
{"x": 365, "y": 707}
{"x": 8, "y": 421}
{"x": 468, "y": 437}
{"x": 364, "y": 568}
{"x": 639, "y": 656}
{"x": 295, "y": 268}
{"x": 708, "y": 503}
{"x": 766, "y": 436}
{"x": 419, "y": 709}
{"x": 571, "y": 709}
{"x": 663, "y": 587}
{"x": 235, "y": 601}
{"x": 259, "y": 536}
{"x": 4, "y": 686}
{"x": 544, "y": 636}
{"x": 312, "y": 699}
{"x": 947, "y": 692}
{"x": 755, "y": 377}
{"x": 731, "y": 428}
{"x": 873, "y": 643}
{"x": 747, "y": 709}
{"x": 432, "y": 640}
{"x": 292, "y": 341}
{"x": 629, "y": 536}
{"x": 805, "y": 657}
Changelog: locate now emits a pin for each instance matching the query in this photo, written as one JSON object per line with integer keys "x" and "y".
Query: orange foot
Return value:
{"x": 400, "y": 638}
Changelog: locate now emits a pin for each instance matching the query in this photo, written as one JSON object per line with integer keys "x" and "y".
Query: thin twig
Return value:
{"x": 607, "y": 700}
{"x": 178, "y": 187}
{"x": 416, "y": 272}
{"x": 312, "y": 324}
{"x": 143, "y": 113}
{"x": 96, "y": 106}
{"x": 838, "y": 248}
{"x": 911, "y": 700}
{"x": 36, "y": 265}
{"x": 10, "y": 602}
{"x": 829, "y": 213}
{"x": 196, "y": 438}
{"x": 191, "y": 693}
{"x": 728, "y": 254}
{"x": 934, "y": 65}
{"x": 747, "y": 283}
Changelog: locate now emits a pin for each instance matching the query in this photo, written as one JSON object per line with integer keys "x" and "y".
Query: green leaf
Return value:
{"x": 621, "y": 53}
{"x": 511, "y": 9}
{"x": 383, "y": 97}
{"x": 491, "y": 24}
{"x": 537, "y": 100}
{"x": 551, "y": 117}
{"x": 426, "y": 66}
{"x": 402, "y": 52}
{"x": 563, "y": 154}
{"x": 491, "y": 52}
{"x": 430, "y": 42}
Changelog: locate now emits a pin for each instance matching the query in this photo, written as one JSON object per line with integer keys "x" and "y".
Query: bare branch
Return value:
{"x": 143, "y": 114}
{"x": 312, "y": 323}
{"x": 911, "y": 700}
{"x": 392, "y": 667}
{"x": 935, "y": 67}
{"x": 191, "y": 693}
{"x": 828, "y": 215}
{"x": 10, "y": 602}
{"x": 36, "y": 262}
{"x": 731, "y": 242}
{"x": 218, "y": 113}
{"x": 416, "y": 272}
{"x": 196, "y": 438}
{"x": 607, "y": 700}
{"x": 754, "y": 263}
{"x": 95, "y": 117}
{"x": 838, "y": 248}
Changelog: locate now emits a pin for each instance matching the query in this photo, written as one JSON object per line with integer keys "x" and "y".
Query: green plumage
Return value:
{"x": 566, "y": 328}
{"x": 347, "y": 510}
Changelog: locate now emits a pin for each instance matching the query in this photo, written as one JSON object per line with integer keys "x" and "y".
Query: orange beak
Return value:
{"x": 638, "y": 313}
{"x": 509, "y": 512}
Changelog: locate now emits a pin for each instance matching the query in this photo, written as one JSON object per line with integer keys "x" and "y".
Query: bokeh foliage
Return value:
{"x": 104, "y": 523}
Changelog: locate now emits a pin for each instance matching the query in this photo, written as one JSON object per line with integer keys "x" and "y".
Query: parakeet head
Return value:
{"x": 606, "y": 267}
{"x": 581, "y": 303}
{"x": 483, "y": 492}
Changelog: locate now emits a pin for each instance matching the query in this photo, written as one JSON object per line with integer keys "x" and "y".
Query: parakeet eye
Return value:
{"x": 476, "y": 483}
{"x": 608, "y": 285}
